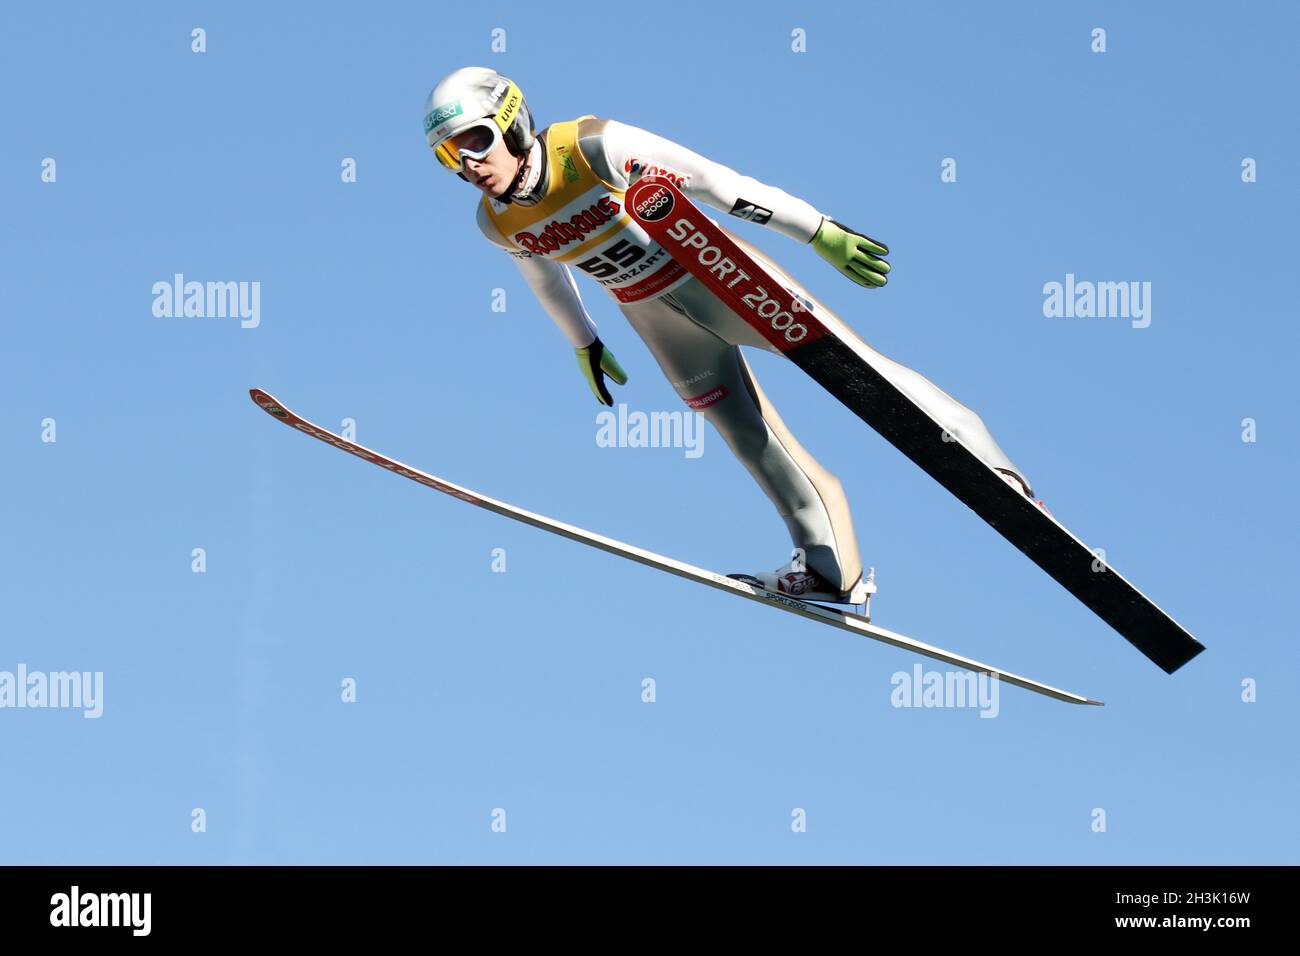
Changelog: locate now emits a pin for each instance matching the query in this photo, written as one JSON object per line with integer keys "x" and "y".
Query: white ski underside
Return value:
{"x": 844, "y": 620}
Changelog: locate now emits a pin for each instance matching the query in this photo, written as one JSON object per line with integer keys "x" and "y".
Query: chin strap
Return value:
{"x": 533, "y": 166}
{"x": 509, "y": 194}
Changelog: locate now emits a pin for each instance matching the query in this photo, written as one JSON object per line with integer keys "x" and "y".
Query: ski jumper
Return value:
{"x": 569, "y": 215}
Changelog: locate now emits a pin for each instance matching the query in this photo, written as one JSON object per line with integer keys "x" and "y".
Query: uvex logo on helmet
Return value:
{"x": 560, "y": 233}
{"x": 510, "y": 110}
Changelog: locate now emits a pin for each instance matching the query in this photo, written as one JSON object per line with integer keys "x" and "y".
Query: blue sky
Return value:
{"x": 522, "y": 690}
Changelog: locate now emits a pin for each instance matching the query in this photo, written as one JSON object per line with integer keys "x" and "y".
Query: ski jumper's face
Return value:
{"x": 494, "y": 174}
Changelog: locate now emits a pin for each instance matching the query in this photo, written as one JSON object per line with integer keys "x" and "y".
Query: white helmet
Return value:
{"x": 475, "y": 96}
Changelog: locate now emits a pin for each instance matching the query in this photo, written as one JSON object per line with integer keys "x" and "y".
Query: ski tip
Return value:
{"x": 1061, "y": 695}
{"x": 267, "y": 403}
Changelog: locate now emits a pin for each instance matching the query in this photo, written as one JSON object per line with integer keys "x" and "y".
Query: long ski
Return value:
{"x": 830, "y": 352}
{"x": 853, "y": 623}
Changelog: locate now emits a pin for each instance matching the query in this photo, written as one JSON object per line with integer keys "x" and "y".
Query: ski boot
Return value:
{"x": 799, "y": 581}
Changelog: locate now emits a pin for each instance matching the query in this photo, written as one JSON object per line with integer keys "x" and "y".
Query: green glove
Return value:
{"x": 852, "y": 253}
{"x": 596, "y": 361}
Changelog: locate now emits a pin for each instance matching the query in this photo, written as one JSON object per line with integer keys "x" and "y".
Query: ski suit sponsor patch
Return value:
{"x": 708, "y": 398}
{"x": 558, "y": 234}
{"x": 636, "y": 168}
{"x": 751, "y": 211}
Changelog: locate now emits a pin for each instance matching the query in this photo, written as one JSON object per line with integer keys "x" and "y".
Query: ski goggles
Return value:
{"x": 474, "y": 142}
